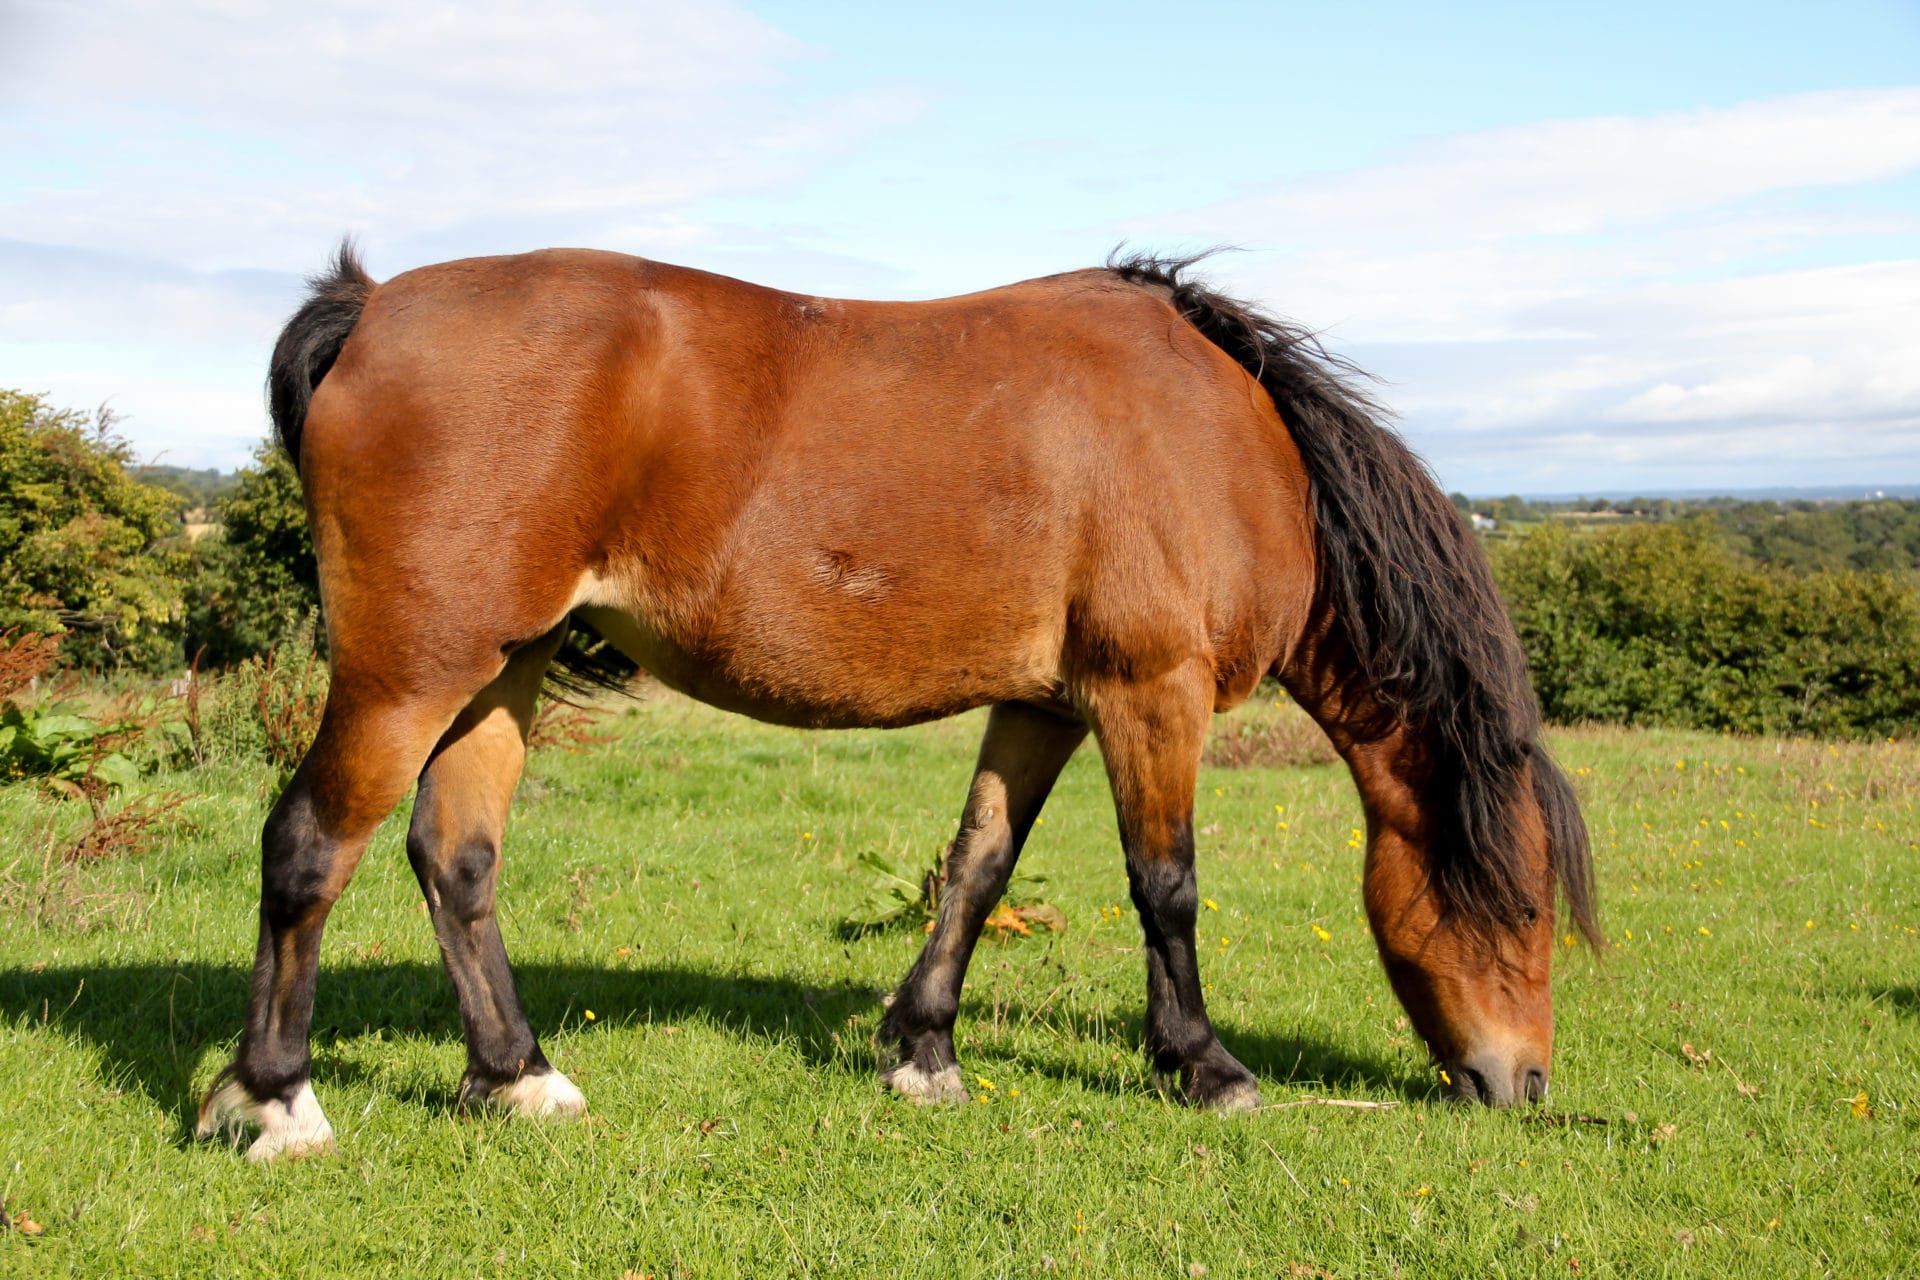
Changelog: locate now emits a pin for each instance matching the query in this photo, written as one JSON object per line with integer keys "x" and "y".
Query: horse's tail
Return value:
{"x": 311, "y": 342}
{"x": 1415, "y": 600}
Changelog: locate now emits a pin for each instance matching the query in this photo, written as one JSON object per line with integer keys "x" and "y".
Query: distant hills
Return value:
{"x": 1778, "y": 493}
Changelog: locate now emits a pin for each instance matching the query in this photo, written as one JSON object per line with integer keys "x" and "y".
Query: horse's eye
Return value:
{"x": 1530, "y": 915}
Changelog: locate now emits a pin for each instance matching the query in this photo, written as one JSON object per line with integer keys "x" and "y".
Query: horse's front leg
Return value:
{"x": 1020, "y": 757}
{"x": 1151, "y": 735}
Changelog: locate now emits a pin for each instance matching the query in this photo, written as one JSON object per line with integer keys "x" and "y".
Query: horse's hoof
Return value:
{"x": 288, "y": 1130}
{"x": 1214, "y": 1083}
{"x": 923, "y": 1088}
{"x": 547, "y": 1094}
{"x": 1241, "y": 1095}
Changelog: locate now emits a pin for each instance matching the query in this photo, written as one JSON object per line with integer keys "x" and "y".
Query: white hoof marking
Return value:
{"x": 921, "y": 1088}
{"x": 1244, "y": 1096}
{"x": 288, "y": 1130}
{"x": 547, "y": 1094}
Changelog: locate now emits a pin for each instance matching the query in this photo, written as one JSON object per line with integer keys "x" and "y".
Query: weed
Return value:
{"x": 896, "y": 901}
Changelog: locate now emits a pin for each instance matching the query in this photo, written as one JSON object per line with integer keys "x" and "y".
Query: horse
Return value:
{"x": 1106, "y": 503}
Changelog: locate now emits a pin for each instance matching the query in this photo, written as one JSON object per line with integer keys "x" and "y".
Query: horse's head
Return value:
{"x": 1468, "y": 944}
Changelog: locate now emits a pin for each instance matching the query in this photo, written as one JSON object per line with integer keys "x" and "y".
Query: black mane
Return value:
{"x": 1415, "y": 602}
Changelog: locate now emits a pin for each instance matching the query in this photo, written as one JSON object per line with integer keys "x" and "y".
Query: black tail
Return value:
{"x": 1416, "y": 603}
{"x": 588, "y": 664}
{"x": 311, "y": 342}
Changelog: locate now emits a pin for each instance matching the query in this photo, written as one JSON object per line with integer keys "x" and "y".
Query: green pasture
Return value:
{"x": 1736, "y": 1088}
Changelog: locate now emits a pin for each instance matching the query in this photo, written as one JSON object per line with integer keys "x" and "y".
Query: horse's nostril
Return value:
{"x": 1535, "y": 1088}
{"x": 1468, "y": 1084}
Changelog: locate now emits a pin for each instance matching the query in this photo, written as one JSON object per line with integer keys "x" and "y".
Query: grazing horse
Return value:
{"x": 1105, "y": 502}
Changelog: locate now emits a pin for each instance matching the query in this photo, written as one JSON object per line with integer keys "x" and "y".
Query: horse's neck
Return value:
{"x": 1390, "y": 761}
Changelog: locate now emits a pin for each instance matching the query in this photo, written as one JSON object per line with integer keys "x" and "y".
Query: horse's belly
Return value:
{"x": 838, "y": 673}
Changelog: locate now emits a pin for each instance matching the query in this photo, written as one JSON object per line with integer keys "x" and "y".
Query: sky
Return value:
{"x": 1621, "y": 247}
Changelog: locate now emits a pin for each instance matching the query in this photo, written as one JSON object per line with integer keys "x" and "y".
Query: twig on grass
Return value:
{"x": 1354, "y": 1104}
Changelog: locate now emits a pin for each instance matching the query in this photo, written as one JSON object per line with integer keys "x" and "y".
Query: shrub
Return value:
{"x": 87, "y": 553}
{"x": 1663, "y": 624}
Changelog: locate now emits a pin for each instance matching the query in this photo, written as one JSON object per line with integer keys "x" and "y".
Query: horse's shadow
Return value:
{"x": 154, "y": 1023}
{"x": 1904, "y": 999}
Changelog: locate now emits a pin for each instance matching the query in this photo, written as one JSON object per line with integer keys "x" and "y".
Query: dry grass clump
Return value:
{"x": 1277, "y": 735}
{"x": 135, "y": 828}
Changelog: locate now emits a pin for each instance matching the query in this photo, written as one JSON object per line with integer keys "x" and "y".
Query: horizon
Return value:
{"x": 1636, "y": 252}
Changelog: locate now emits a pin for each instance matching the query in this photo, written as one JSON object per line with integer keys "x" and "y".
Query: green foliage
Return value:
{"x": 894, "y": 900}
{"x": 1664, "y": 624}
{"x": 257, "y": 578}
{"x": 84, "y": 548}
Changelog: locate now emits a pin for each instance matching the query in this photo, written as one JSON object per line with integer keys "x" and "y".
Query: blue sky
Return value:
{"x": 1612, "y": 247}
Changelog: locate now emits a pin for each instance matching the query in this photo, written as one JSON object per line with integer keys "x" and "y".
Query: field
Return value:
{"x": 1737, "y": 1083}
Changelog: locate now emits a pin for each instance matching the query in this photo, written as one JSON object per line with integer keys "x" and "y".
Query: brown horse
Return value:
{"x": 1106, "y": 502}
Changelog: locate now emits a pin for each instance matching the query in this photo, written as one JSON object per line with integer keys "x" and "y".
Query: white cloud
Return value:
{"x": 1584, "y": 289}
{"x": 598, "y": 123}
{"x": 1579, "y": 177}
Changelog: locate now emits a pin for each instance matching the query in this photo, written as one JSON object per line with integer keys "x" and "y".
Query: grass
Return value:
{"x": 684, "y": 883}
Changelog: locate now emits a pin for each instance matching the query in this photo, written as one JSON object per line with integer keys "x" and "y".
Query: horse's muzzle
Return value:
{"x": 1496, "y": 1081}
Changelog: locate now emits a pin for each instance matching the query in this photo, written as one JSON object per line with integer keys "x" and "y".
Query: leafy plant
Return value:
{"x": 69, "y": 750}
{"x": 897, "y": 901}
{"x": 48, "y": 738}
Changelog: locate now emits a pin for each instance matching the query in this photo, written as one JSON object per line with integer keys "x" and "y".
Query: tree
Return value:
{"x": 86, "y": 551}
{"x": 257, "y": 579}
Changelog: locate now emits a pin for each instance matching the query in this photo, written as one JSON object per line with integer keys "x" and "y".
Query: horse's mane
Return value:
{"x": 1415, "y": 603}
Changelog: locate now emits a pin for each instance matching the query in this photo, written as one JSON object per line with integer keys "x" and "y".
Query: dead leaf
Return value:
{"x": 1697, "y": 1058}
{"x": 1045, "y": 913}
{"x": 1021, "y": 920}
{"x": 1007, "y": 920}
{"x": 1663, "y": 1134}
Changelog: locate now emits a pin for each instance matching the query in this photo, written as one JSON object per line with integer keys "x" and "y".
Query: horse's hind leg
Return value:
{"x": 369, "y": 747}
{"x": 1020, "y": 757}
{"x": 459, "y": 819}
{"x": 1151, "y": 735}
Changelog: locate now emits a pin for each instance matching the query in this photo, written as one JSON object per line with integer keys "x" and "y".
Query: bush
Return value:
{"x": 86, "y": 552}
{"x": 1663, "y": 624}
